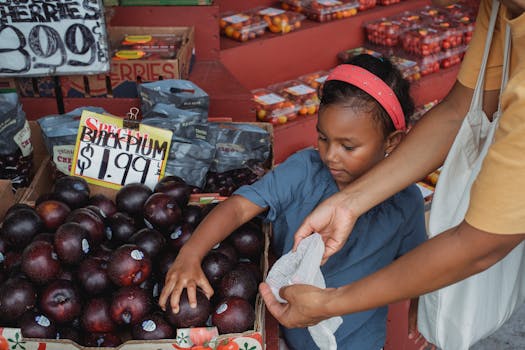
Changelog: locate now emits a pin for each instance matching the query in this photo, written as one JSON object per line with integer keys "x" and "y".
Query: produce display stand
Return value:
{"x": 228, "y": 70}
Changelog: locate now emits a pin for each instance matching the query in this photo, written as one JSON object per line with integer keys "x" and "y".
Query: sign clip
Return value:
{"x": 131, "y": 120}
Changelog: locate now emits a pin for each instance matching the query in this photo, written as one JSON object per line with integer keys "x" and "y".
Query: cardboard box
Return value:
{"x": 122, "y": 80}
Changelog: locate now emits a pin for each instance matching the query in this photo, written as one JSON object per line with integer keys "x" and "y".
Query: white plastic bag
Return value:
{"x": 303, "y": 267}
{"x": 457, "y": 316}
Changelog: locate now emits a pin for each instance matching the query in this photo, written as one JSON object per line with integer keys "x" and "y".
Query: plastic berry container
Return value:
{"x": 409, "y": 19}
{"x": 345, "y": 55}
{"x": 388, "y": 2}
{"x": 423, "y": 41}
{"x": 242, "y": 26}
{"x": 366, "y": 4}
{"x": 302, "y": 95}
{"x": 292, "y": 5}
{"x": 466, "y": 26}
{"x": 409, "y": 69}
{"x": 452, "y": 57}
{"x": 329, "y": 10}
{"x": 280, "y": 21}
{"x": 315, "y": 80}
{"x": 433, "y": 14}
{"x": 428, "y": 64}
{"x": 451, "y": 34}
{"x": 272, "y": 107}
{"x": 384, "y": 31}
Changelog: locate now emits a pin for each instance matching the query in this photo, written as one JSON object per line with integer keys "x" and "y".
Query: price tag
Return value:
{"x": 108, "y": 154}
{"x": 238, "y": 18}
{"x": 52, "y": 38}
{"x": 269, "y": 99}
{"x": 299, "y": 90}
{"x": 270, "y": 11}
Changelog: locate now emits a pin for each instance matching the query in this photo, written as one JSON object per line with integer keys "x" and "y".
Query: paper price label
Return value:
{"x": 23, "y": 140}
{"x": 110, "y": 155}
{"x": 299, "y": 90}
{"x": 270, "y": 11}
{"x": 269, "y": 99}
{"x": 236, "y": 18}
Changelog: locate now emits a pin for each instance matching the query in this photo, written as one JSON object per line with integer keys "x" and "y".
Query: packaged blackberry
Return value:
{"x": 16, "y": 149}
{"x": 60, "y": 135}
{"x": 183, "y": 94}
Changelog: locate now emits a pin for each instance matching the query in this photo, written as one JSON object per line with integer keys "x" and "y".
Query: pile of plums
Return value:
{"x": 88, "y": 268}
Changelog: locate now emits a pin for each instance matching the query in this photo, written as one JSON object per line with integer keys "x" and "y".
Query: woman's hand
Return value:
{"x": 305, "y": 307}
{"x": 185, "y": 272}
{"x": 333, "y": 219}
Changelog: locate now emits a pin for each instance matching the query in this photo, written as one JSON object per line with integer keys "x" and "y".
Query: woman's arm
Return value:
{"x": 423, "y": 150}
{"x": 440, "y": 261}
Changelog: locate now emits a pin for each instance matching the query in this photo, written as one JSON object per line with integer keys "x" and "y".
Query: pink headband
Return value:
{"x": 374, "y": 86}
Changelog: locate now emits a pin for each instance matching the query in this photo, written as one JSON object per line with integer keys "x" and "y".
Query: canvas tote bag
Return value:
{"x": 457, "y": 316}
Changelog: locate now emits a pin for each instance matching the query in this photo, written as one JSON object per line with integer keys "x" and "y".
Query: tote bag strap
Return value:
{"x": 477, "y": 98}
{"x": 506, "y": 64}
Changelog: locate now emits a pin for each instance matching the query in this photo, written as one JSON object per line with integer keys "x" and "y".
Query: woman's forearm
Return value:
{"x": 442, "y": 260}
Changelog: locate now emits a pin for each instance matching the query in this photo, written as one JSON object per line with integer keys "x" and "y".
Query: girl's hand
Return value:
{"x": 413, "y": 333}
{"x": 305, "y": 305}
{"x": 185, "y": 272}
{"x": 333, "y": 219}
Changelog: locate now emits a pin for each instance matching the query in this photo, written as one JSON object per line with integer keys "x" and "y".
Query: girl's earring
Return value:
{"x": 386, "y": 154}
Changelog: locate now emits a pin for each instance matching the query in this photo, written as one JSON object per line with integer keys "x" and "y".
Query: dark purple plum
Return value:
{"x": 129, "y": 265}
{"x": 61, "y": 301}
{"x": 234, "y": 315}
{"x": 131, "y": 198}
{"x": 188, "y": 316}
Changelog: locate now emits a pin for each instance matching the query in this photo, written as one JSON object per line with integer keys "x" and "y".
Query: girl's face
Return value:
{"x": 350, "y": 142}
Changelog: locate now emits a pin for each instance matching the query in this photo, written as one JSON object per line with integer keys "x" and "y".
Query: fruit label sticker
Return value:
{"x": 271, "y": 11}
{"x": 111, "y": 155}
{"x": 238, "y": 18}
{"x": 269, "y": 99}
{"x": 300, "y": 90}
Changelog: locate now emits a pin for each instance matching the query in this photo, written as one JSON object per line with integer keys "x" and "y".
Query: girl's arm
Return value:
{"x": 186, "y": 271}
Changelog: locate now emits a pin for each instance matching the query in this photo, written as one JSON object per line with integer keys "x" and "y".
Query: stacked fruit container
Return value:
{"x": 434, "y": 37}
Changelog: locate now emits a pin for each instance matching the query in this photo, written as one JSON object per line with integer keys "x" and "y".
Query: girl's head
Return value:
{"x": 362, "y": 116}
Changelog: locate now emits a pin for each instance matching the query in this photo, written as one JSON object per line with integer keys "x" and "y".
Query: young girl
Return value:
{"x": 362, "y": 117}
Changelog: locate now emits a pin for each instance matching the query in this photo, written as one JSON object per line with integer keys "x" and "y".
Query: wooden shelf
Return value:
{"x": 273, "y": 57}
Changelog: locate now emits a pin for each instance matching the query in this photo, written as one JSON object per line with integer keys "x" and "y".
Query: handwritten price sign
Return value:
{"x": 52, "y": 38}
{"x": 108, "y": 154}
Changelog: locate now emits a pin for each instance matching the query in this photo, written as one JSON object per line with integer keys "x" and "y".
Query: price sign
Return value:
{"x": 108, "y": 154}
{"x": 52, "y": 38}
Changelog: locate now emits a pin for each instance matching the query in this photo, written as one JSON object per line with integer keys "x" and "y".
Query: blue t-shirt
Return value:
{"x": 291, "y": 191}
